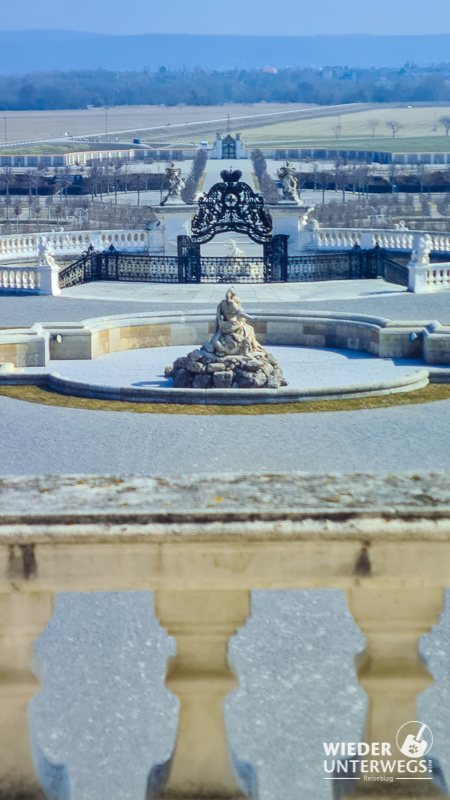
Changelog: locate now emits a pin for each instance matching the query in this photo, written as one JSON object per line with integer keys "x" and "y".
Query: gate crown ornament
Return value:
{"x": 231, "y": 206}
{"x": 230, "y": 176}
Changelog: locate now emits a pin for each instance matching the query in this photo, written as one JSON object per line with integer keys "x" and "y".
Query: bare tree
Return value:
{"x": 37, "y": 208}
{"x": 337, "y": 129}
{"x": 394, "y": 126}
{"x": 138, "y": 183}
{"x": 49, "y": 204}
{"x": 340, "y": 181}
{"x": 445, "y": 122}
{"x": 425, "y": 203}
{"x": 323, "y": 179}
{"x": 32, "y": 179}
{"x": 363, "y": 178}
{"x": 392, "y": 171}
{"x": 7, "y": 178}
{"x": 63, "y": 176}
{"x": 443, "y": 205}
{"x": 58, "y": 212}
{"x": 421, "y": 173}
{"x": 372, "y": 124}
{"x": 315, "y": 170}
{"x": 17, "y": 212}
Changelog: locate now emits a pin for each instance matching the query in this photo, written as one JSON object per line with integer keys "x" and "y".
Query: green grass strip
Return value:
{"x": 33, "y": 394}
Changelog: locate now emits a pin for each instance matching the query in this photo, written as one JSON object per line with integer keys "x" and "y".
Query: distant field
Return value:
{"x": 25, "y": 125}
{"x": 45, "y": 149}
{"x": 300, "y": 126}
{"x": 419, "y": 144}
{"x": 417, "y": 122}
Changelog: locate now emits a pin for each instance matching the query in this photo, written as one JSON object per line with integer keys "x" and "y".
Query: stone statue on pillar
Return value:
{"x": 176, "y": 184}
{"x": 286, "y": 175}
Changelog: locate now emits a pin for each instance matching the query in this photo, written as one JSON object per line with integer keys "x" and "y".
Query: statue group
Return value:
{"x": 176, "y": 184}
{"x": 232, "y": 359}
{"x": 286, "y": 175}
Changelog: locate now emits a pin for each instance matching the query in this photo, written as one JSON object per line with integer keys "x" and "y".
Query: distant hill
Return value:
{"x": 27, "y": 51}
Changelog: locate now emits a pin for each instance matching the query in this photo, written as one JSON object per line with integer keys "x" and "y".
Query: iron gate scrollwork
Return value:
{"x": 275, "y": 266}
{"x": 107, "y": 265}
{"x": 231, "y": 206}
{"x": 80, "y": 271}
{"x": 276, "y": 259}
{"x": 188, "y": 260}
{"x": 365, "y": 263}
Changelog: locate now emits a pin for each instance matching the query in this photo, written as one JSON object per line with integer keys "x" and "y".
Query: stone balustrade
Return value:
{"x": 21, "y": 279}
{"x": 202, "y": 547}
{"x": 72, "y": 243}
{"x": 367, "y": 239}
{"x": 429, "y": 277}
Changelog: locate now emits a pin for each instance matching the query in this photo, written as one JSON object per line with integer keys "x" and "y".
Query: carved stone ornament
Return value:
{"x": 232, "y": 359}
{"x": 231, "y": 206}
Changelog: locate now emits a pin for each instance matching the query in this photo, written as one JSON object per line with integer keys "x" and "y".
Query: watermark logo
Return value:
{"x": 414, "y": 739}
{"x": 378, "y": 761}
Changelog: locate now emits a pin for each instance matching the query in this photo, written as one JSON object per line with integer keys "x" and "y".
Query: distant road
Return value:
{"x": 162, "y": 133}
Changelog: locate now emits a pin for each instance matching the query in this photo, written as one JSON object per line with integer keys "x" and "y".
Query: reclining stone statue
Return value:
{"x": 232, "y": 359}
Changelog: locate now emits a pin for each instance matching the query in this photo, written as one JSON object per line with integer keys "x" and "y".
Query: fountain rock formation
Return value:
{"x": 233, "y": 359}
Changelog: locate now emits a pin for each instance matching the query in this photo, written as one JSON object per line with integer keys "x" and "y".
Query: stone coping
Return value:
{"x": 385, "y": 338}
{"x": 24, "y": 498}
{"x": 235, "y": 397}
{"x": 296, "y": 530}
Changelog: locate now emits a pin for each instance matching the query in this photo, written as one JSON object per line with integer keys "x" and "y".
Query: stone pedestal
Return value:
{"x": 49, "y": 280}
{"x": 176, "y": 221}
{"x": 286, "y": 218}
{"x": 199, "y": 674}
{"x": 22, "y": 618}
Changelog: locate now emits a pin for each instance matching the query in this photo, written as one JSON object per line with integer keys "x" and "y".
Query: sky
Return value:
{"x": 259, "y": 17}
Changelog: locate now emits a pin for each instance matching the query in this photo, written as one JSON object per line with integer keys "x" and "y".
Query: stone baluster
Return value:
{"x": 202, "y": 623}
{"x": 23, "y": 616}
{"x": 390, "y": 669}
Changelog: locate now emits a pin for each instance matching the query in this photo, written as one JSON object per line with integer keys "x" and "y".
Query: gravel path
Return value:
{"x": 25, "y": 311}
{"x": 43, "y": 439}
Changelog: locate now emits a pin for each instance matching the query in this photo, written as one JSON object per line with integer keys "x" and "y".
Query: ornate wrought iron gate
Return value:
{"x": 188, "y": 260}
{"x": 276, "y": 259}
{"x": 274, "y": 267}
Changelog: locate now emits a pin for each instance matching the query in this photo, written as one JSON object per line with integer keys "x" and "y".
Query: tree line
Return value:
{"x": 327, "y": 86}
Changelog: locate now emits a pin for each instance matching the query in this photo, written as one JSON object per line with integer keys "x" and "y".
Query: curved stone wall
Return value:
{"x": 36, "y": 346}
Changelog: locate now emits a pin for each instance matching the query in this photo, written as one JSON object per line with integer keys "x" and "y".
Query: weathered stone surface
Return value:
{"x": 252, "y": 364}
{"x": 223, "y": 380}
{"x": 215, "y": 366}
{"x": 232, "y": 359}
{"x": 202, "y": 381}
{"x": 182, "y": 379}
{"x": 250, "y": 380}
{"x": 186, "y": 362}
{"x": 271, "y": 359}
{"x": 276, "y": 380}
{"x": 196, "y": 355}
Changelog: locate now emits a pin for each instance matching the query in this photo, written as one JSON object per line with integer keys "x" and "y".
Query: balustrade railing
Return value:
{"x": 202, "y": 547}
{"x": 25, "y": 279}
{"x": 74, "y": 242}
{"x": 438, "y": 278}
{"x": 69, "y": 243}
{"x": 367, "y": 238}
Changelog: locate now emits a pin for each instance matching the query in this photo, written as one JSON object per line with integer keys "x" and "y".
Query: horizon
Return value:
{"x": 326, "y": 18}
{"x": 356, "y": 34}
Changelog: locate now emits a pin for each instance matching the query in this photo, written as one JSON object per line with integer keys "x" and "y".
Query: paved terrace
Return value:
{"x": 103, "y": 701}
